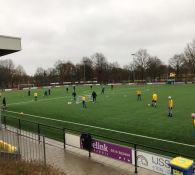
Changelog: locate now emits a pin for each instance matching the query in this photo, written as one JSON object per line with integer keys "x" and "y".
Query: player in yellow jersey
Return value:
{"x": 139, "y": 94}
{"x": 84, "y": 102}
{"x": 154, "y": 99}
{"x": 36, "y": 96}
{"x": 170, "y": 106}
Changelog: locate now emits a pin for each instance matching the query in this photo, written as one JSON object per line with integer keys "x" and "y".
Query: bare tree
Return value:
{"x": 190, "y": 56}
{"x": 114, "y": 72}
{"x": 130, "y": 69}
{"x": 40, "y": 71}
{"x": 8, "y": 64}
{"x": 100, "y": 65}
{"x": 176, "y": 62}
{"x": 52, "y": 75}
{"x": 20, "y": 70}
{"x": 40, "y": 77}
{"x": 19, "y": 76}
{"x": 140, "y": 61}
{"x": 66, "y": 71}
{"x": 7, "y": 69}
{"x": 153, "y": 66}
{"x": 87, "y": 69}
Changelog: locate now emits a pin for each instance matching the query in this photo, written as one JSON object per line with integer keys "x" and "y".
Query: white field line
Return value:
{"x": 49, "y": 99}
{"x": 96, "y": 127}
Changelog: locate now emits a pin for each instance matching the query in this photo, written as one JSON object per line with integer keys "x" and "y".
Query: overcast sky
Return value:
{"x": 70, "y": 29}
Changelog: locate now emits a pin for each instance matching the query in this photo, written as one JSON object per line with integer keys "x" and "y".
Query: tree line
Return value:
{"x": 143, "y": 67}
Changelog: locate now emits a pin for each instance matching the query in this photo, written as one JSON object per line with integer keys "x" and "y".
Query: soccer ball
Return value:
{"x": 21, "y": 113}
{"x": 148, "y": 104}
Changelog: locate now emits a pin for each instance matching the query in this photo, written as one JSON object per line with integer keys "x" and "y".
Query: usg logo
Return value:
{"x": 142, "y": 160}
{"x": 160, "y": 161}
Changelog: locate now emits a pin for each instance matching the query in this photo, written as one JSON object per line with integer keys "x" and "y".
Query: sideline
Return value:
{"x": 105, "y": 129}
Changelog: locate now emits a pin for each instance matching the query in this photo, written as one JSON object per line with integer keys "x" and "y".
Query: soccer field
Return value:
{"x": 117, "y": 110}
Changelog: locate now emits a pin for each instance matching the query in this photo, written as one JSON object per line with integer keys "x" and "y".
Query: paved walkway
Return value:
{"x": 74, "y": 161}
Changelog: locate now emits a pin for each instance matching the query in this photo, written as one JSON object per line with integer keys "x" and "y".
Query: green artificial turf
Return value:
{"x": 117, "y": 109}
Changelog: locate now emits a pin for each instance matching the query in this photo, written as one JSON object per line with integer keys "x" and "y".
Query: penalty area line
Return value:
{"x": 106, "y": 129}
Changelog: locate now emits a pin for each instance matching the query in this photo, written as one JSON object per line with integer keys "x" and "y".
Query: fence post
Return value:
{"x": 19, "y": 125}
{"x": 89, "y": 153}
{"x": 90, "y": 148}
{"x": 44, "y": 150}
{"x": 18, "y": 141}
{"x": 135, "y": 156}
{"x": 38, "y": 131}
{"x": 64, "y": 137}
{"x": 5, "y": 122}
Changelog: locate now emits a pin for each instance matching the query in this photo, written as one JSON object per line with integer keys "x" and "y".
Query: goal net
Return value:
{"x": 25, "y": 86}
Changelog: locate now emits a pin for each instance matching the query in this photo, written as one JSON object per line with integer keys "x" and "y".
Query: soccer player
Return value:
{"x": 84, "y": 102}
{"x": 74, "y": 88}
{"x": 4, "y": 103}
{"x": 139, "y": 94}
{"x": 36, "y": 96}
{"x": 0, "y": 94}
{"x": 67, "y": 89}
{"x": 49, "y": 91}
{"x": 112, "y": 86}
{"x": 29, "y": 92}
{"x": 154, "y": 99}
{"x": 94, "y": 95}
{"x": 74, "y": 95}
{"x": 91, "y": 87}
{"x": 170, "y": 106}
{"x": 45, "y": 93}
{"x": 103, "y": 89}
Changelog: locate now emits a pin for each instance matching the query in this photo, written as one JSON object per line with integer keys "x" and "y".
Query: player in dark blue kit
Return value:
{"x": 103, "y": 89}
{"x": 74, "y": 95}
{"x": 94, "y": 95}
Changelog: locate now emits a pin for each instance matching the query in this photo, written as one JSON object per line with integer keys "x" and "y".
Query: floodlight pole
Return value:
{"x": 84, "y": 72}
{"x": 133, "y": 54}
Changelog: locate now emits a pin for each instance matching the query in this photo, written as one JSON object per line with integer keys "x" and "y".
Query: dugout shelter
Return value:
{"x": 9, "y": 45}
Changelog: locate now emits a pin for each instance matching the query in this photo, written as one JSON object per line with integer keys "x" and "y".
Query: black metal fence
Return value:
{"x": 58, "y": 133}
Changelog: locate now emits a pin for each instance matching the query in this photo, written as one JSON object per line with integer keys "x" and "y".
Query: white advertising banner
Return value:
{"x": 7, "y": 90}
{"x": 153, "y": 162}
{"x": 73, "y": 140}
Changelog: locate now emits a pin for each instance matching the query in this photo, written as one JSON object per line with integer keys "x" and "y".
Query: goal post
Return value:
{"x": 25, "y": 86}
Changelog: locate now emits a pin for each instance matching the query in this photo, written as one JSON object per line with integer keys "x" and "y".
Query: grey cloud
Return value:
{"x": 70, "y": 29}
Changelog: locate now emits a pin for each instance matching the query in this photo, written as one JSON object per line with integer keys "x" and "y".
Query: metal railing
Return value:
{"x": 58, "y": 133}
{"x": 21, "y": 145}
